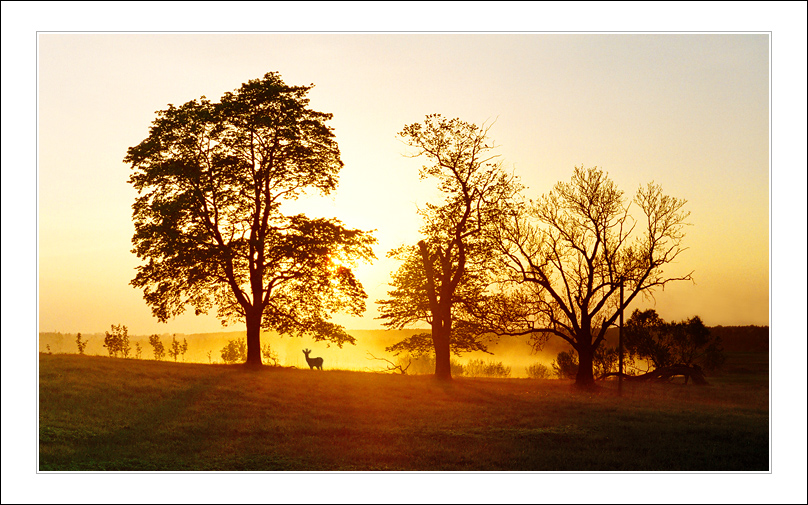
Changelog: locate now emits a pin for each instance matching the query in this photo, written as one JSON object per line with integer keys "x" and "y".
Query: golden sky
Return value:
{"x": 688, "y": 111}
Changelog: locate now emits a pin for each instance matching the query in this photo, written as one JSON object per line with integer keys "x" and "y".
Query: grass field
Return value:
{"x": 98, "y": 413}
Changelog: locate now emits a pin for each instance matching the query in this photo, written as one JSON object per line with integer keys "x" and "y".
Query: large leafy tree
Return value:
{"x": 570, "y": 252}
{"x": 209, "y": 224}
{"x": 446, "y": 275}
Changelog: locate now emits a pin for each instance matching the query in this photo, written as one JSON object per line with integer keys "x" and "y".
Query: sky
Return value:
{"x": 687, "y": 111}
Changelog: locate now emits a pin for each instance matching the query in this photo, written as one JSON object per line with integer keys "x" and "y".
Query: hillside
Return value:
{"x": 98, "y": 413}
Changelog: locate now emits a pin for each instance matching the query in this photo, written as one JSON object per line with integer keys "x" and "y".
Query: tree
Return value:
{"x": 209, "y": 226}
{"x": 117, "y": 341}
{"x": 176, "y": 348}
{"x": 81, "y": 344}
{"x": 663, "y": 344}
{"x": 446, "y": 275}
{"x": 157, "y": 347}
{"x": 138, "y": 350}
{"x": 570, "y": 252}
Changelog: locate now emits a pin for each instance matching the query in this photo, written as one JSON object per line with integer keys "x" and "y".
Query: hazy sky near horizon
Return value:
{"x": 688, "y": 111}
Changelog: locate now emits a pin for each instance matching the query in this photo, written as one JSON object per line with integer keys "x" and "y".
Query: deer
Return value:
{"x": 313, "y": 362}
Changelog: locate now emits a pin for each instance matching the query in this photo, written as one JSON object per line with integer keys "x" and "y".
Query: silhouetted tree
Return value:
{"x": 138, "y": 350}
{"x": 117, "y": 340}
{"x": 663, "y": 344}
{"x": 81, "y": 344}
{"x": 211, "y": 179}
{"x": 176, "y": 348}
{"x": 446, "y": 275}
{"x": 235, "y": 351}
{"x": 157, "y": 347}
{"x": 565, "y": 366}
{"x": 569, "y": 252}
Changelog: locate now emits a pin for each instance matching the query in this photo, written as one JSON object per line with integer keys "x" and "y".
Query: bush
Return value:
{"x": 604, "y": 360}
{"x": 565, "y": 366}
{"x": 235, "y": 351}
{"x": 480, "y": 368}
{"x": 538, "y": 371}
{"x": 688, "y": 342}
{"x": 424, "y": 364}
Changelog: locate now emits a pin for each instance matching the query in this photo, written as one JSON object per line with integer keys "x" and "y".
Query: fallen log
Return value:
{"x": 665, "y": 373}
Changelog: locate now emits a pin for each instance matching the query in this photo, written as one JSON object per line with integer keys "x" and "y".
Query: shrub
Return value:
{"x": 565, "y": 366}
{"x": 424, "y": 364}
{"x": 688, "y": 342}
{"x": 604, "y": 360}
{"x": 538, "y": 371}
{"x": 235, "y": 351}
{"x": 480, "y": 368}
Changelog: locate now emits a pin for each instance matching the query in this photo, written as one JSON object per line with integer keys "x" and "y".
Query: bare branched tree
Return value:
{"x": 569, "y": 253}
{"x": 392, "y": 367}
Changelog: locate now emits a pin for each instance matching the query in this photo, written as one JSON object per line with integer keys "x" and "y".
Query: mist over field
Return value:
{"x": 511, "y": 351}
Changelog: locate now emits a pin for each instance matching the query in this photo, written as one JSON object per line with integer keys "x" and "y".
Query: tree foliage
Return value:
{"x": 209, "y": 226}
{"x": 235, "y": 351}
{"x": 569, "y": 252}
{"x": 157, "y": 347}
{"x": 445, "y": 276}
{"x": 177, "y": 348}
{"x": 663, "y": 344}
{"x": 538, "y": 371}
{"x": 117, "y": 341}
{"x": 81, "y": 344}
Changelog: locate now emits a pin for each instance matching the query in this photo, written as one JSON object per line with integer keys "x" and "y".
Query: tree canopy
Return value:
{"x": 446, "y": 274}
{"x": 209, "y": 225}
{"x": 570, "y": 252}
{"x": 664, "y": 344}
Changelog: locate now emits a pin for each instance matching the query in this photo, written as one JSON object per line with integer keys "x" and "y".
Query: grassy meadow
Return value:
{"x": 98, "y": 413}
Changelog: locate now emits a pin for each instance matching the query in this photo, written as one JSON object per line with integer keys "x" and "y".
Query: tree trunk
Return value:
{"x": 254, "y": 339}
{"x": 443, "y": 369}
{"x": 585, "y": 376}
